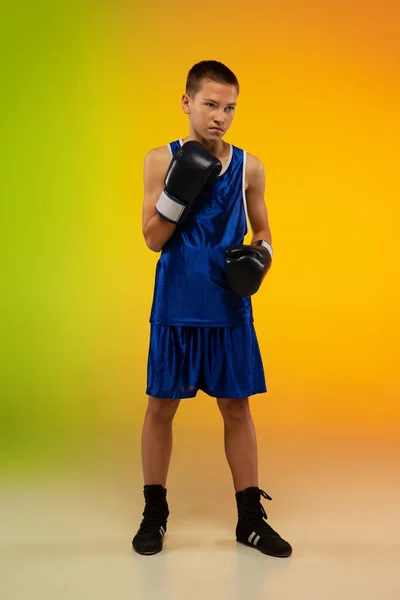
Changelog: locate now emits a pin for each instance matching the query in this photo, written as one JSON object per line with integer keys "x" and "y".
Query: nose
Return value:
{"x": 219, "y": 117}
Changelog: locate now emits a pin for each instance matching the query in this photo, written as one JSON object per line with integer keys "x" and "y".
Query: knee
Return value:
{"x": 162, "y": 409}
{"x": 234, "y": 410}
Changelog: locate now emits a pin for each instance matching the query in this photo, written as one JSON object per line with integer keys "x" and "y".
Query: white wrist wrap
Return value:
{"x": 169, "y": 208}
{"x": 267, "y": 246}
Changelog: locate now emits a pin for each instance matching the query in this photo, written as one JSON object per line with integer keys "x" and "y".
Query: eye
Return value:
{"x": 231, "y": 108}
{"x": 211, "y": 104}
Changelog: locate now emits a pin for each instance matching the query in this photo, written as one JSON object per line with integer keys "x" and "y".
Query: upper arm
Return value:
{"x": 156, "y": 164}
{"x": 255, "y": 196}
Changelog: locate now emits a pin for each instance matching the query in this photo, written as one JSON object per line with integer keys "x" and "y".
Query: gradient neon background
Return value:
{"x": 88, "y": 91}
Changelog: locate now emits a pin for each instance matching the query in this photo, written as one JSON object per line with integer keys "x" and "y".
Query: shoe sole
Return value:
{"x": 262, "y": 552}
{"x": 243, "y": 544}
{"x": 147, "y": 553}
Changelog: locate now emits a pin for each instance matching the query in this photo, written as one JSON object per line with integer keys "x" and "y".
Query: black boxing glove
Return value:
{"x": 246, "y": 266}
{"x": 191, "y": 168}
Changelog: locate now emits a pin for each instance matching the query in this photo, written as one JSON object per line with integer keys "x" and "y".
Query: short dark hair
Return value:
{"x": 209, "y": 69}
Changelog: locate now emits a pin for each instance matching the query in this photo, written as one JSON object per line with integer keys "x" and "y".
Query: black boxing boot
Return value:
{"x": 149, "y": 538}
{"x": 252, "y": 529}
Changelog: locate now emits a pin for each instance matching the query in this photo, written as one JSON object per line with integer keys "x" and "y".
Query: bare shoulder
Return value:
{"x": 157, "y": 157}
{"x": 254, "y": 170}
{"x": 254, "y": 164}
{"x": 156, "y": 163}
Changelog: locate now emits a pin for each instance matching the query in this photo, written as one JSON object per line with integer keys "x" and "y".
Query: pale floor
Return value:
{"x": 71, "y": 540}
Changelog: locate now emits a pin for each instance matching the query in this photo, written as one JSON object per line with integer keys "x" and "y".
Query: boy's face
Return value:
{"x": 211, "y": 110}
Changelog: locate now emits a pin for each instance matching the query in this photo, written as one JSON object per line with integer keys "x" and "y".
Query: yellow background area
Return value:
{"x": 318, "y": 105}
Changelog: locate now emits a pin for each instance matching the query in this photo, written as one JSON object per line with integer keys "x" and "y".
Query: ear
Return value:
{"x": 186, "y": 104}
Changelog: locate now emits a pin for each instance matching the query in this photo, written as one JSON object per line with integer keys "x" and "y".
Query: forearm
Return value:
{"x": 157, "y": 232}
{"x": 262, "y": 234}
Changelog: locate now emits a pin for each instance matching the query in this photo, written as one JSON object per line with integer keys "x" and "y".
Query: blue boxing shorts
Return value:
{"x": 224, "y": 362}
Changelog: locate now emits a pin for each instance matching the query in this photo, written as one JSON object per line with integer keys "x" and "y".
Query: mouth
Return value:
{"x": 216, "y": 129}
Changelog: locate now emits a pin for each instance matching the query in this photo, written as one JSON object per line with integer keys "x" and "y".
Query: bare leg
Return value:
{"x": 240, "y": 442}
{"x": 157, "y": 439}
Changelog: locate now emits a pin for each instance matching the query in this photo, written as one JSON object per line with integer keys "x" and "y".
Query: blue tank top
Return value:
{"x": 190, "y": 287}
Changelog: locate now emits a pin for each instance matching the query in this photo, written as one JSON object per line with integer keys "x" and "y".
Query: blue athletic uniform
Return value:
{"x": 202, "y": 335}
